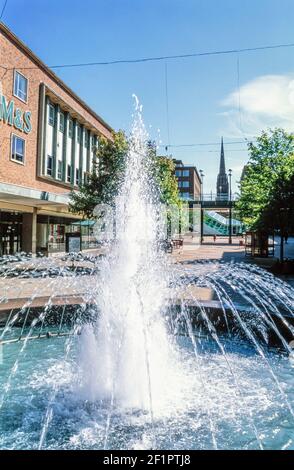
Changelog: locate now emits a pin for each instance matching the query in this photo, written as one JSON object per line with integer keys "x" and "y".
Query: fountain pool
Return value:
{"x": 180, "y": 422}
{"x": 150, "y": 367}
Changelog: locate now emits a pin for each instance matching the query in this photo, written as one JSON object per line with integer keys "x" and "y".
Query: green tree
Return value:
{"x": 266, "y": 194}
{"x": 104, "y": 181}
{"x": 270, "y": 160}
{"x": 167, "y": 181}
{"x": 108, "y": 170}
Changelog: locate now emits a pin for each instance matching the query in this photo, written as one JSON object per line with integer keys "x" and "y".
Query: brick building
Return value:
{"x": 189, "y": 181}
{"x": 47, "y": 141}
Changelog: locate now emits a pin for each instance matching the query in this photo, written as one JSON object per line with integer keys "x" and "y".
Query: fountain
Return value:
{"x": 132, "y": 357}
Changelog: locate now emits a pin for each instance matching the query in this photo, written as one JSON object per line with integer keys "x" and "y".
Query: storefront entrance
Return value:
{"x": 10, "y": 233}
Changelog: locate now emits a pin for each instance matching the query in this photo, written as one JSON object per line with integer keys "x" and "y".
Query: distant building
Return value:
{"x": 222, "y": 184}
{"x": 189, "y": 181}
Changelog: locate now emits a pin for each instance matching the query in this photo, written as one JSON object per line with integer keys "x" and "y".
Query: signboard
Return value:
{"x": 14, "y": 116}
{"x": 73, "y": 242}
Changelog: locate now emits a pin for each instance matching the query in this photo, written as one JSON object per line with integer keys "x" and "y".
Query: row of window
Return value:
{"x": 49, "y": 171}
{"x": 185, "y": 195}
{"x": 183, "y": 184}
{"x": 182, "y": 173}
{"x": 18, "y": 154}
{"x": 52, "y": 120}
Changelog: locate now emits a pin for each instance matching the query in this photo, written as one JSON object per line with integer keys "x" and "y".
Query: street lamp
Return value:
{"x": 201, "y": 203}
{"x": 201, "y": 184}
{"x": 230, "y": 206}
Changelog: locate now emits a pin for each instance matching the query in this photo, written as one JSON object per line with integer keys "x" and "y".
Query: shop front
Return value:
{"x": 11, "y": 226}
{"x": 52, "y": 233}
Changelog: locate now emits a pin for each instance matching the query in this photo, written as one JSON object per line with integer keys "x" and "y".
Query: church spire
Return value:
{"x": 222, "y": 165}
{"x": 222, "y": 184}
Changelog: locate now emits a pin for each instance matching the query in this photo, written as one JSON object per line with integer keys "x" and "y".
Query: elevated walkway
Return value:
{"x": 216, "y": 224}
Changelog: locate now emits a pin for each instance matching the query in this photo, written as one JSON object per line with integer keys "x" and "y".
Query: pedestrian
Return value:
{"x": 214, "y": 238}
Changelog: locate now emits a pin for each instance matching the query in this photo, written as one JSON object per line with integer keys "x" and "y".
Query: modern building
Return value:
{"x": 189, "y": 181}
{"x": 48, "y": 136}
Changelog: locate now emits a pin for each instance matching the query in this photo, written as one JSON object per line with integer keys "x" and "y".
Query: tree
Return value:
{"x": 104, "y": 182}
{"x": 279, "y": 212}
{"x": 167, "y": 181}
{"x": 266, "y": 195}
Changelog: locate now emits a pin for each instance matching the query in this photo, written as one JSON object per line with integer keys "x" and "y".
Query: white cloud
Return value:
{"x": 266, "y": 101}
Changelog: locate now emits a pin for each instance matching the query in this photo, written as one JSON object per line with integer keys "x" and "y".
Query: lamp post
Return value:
{"x": 230, "y": 206}
{"x": 201, "y": 203}
{"x": 201, "y": 184}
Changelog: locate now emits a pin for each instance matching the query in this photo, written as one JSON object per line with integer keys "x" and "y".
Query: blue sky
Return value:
{"x": 203, "y": 92}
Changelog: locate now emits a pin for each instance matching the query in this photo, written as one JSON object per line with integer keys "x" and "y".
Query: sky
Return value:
{"x": 185, "y": 101}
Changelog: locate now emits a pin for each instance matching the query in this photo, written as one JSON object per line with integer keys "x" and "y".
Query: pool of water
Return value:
{"x": 214, "y": 400}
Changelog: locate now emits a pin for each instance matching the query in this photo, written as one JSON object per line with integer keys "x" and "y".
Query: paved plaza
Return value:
{"x": 34, "y": 292}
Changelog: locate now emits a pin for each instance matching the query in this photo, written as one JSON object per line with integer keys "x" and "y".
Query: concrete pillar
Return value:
{"x": 29, "y": 232}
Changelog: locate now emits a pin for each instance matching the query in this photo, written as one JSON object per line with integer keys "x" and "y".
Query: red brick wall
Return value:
{"x": 12, "y": 55}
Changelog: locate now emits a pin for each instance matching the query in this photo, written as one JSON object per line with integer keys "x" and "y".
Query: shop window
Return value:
{"x": 49, "y": 165}
{"x": 20, "y": 86}
{"x": 17, "y": 149}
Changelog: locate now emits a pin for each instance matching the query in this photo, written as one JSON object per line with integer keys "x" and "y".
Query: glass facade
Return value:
{"x": 51, "y": 233}
{"x": 10, "y": 232}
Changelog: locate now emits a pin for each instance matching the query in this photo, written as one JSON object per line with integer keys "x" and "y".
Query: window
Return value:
{"x": 61, "y": 122}
{"x": 59, "y": 170}
{"x": 51, "y": 115}
{"x": 178, "y": 173}
{"x": 49, "y": 165}
{"x": 185, "y": 195}
{"x": 70, "y": 128}
{"x": 185, "y": 184}
{"x": 79, "y": 134}
{"x": 68, "y": 177}
{"x": 20, "y": 86}
{"x": 186, "y": 173}
{"x": 86, "y": 141}
{"x": 179, "y": 184}
{"x": 77, "y": 176}
{"x": 17, "y": 149}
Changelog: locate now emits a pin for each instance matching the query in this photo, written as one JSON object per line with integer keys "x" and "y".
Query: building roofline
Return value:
{"x": 26, "y": 50}
{"x": 187, "y": 166}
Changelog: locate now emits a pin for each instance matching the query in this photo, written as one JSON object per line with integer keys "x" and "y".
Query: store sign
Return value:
{"x": 14, "y": 116}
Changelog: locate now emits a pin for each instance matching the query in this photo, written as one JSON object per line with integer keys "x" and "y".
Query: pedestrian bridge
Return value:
{"x": 214, "y": 201}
